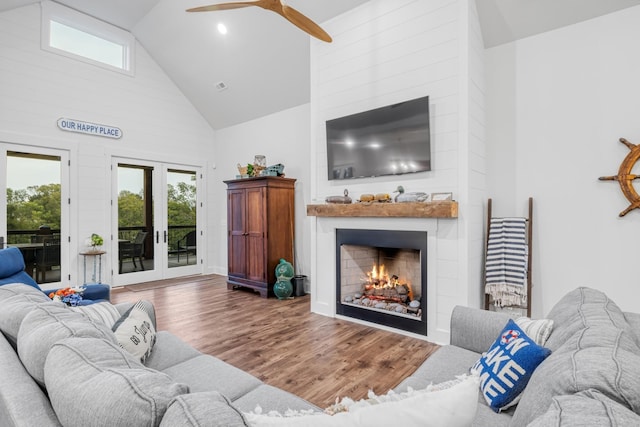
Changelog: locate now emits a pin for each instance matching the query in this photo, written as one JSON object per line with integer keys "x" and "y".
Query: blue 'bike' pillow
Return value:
{"x": 506, "y": 367}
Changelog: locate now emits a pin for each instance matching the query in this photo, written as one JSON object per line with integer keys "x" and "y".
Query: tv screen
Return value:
{"x": 389, "y": 140}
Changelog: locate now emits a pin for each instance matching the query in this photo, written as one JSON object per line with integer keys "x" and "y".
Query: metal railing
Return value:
{"x": 174, "y": 234}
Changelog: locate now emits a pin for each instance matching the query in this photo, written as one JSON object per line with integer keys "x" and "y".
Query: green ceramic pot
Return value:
{"x": 283, "y": 289}
{"x": 284, "y": 270}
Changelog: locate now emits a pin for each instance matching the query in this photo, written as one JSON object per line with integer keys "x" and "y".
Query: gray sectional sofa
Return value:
{"x": 592, "y": 376}
{"x": 593, "y": 373}
{"x": 173, "y": 379}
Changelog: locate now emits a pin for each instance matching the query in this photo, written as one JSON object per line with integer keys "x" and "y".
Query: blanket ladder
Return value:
{"x": 488, "y": 303}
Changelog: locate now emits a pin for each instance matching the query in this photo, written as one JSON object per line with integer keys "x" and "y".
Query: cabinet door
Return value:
{"x": 236, "y": 205}
{"x": 256, "y": 242}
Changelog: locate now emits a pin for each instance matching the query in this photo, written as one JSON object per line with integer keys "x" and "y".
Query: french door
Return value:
{"x": 35, "y": 210}
{"x": 155, "y": 221}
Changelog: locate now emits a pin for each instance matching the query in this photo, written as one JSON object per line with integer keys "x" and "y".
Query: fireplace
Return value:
{"x": 381, "y": 277}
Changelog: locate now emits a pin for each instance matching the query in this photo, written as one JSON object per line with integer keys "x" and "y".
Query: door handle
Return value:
{"x": 157, "y": 237}
{"x": 165, "y": 236}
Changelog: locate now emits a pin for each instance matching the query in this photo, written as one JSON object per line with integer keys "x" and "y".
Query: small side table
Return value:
{"x": 97, "y": 265}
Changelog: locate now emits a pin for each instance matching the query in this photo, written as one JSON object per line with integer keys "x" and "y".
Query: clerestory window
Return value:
{"x": 76, "y": 35}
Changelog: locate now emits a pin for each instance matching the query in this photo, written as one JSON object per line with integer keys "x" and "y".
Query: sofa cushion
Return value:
{"x": 206, "y": 409}
{"x": 16, "y": 301}
{"x": 507, "y": 366}
{"x": 272, "y": 399}
{"x": 586, "y": 408}
{"x": 135, "y": 332}
{"x": 47, "y": 324}
{"x": 444, "y": 364}
{"x": 83, "y": 373}
{"x": 104, "y": 312}
{"x": 206, "y": 373}
{"x": 602, "y": 355}
{"x": 168, "y": 351}
{"x": 581, "y": 308}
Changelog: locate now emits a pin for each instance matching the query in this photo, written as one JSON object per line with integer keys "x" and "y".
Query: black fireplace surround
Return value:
{"x": 416, "y": 240}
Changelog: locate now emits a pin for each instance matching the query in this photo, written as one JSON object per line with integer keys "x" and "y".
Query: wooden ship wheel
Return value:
{"x": 625, "y": 178}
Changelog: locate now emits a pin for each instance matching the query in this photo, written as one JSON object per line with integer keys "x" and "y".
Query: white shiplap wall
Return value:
{"x": 386, "y": 52}
{"x": 557, "y": 104}
{"x": 38, "y": 87}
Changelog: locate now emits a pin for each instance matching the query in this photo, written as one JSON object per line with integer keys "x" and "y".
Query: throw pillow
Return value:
{"x": 506, "y": 367}
{"x": 93, "y": 382}
{"x": 538, "y": 330}
{"x": 135, "y": 331}
{"x": 451, "y": 405}
{"x": 103, "y": 312}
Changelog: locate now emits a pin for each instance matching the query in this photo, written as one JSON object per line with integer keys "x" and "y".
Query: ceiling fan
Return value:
{"x": 277, "y": 6}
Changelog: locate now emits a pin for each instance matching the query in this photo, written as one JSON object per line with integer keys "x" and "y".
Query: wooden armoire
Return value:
{"x": 260, "y": 230}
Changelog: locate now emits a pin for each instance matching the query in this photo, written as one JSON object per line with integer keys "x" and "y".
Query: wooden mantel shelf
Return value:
{"x": 445, "y": 209}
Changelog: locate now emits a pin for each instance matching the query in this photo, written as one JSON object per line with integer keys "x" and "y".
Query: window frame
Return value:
{"x": 79, "y": 21}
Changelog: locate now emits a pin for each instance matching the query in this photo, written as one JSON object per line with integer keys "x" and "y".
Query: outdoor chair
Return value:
{"x": 47, "y": 257}
{"x": 132, "y": 250}
{"x": 187, "y": 244}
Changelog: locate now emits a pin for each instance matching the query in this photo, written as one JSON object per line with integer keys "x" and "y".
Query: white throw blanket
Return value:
{"x": 506, "y": 262}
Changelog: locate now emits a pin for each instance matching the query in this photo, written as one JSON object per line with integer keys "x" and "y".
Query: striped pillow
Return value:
{"x": 538, "y": 330}
{"x": 104, "y": 312}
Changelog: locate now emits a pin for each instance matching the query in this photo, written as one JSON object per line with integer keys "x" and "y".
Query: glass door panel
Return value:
{"x": 182, "y": 248}
{"x": 135, "y": 218}
{"x": 34, "y": 215}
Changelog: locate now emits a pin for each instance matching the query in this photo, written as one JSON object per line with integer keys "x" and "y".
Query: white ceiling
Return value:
{"x": 264, "y": 60}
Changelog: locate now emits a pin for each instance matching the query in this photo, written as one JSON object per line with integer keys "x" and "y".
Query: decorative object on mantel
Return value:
{"x": 339, "y": 199}
{"x": 440, "y": 197}
{"x": 284, "y": 273}
{"x": 414, "y": 196}
{"x": 378, "y": 198}
{"x": 625, "y": 178}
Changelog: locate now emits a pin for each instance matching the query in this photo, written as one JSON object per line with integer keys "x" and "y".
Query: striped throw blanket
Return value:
{"x": 506, "y": 262}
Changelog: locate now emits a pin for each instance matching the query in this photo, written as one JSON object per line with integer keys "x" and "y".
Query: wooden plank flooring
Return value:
{"x": 281, "y": 342}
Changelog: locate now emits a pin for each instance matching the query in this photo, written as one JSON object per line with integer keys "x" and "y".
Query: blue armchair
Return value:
{"x": 12, "y": 270}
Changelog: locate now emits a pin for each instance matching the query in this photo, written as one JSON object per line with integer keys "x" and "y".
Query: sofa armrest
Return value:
{"x": 474, "y": 329}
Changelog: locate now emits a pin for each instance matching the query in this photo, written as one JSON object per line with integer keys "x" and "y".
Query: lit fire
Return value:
{"x": 380, "y": 280}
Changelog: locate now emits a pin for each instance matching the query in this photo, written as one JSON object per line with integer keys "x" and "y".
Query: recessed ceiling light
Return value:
{"x": 222, "y": 29}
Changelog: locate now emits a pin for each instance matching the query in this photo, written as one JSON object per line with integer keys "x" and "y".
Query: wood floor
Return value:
{"x": 281, "y": 342}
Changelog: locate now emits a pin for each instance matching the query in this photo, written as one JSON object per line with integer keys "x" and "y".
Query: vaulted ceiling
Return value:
{"x": 264, "y": 61}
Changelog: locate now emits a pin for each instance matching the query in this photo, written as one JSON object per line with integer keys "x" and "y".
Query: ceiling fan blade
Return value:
{"x": 224, "y": 6}
{"x": 304, "y": 23}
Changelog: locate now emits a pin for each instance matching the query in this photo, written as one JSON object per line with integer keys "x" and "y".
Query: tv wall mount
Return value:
{"x": 625, "y": 178}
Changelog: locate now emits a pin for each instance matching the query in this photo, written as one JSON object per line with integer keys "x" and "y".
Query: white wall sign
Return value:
{"x": 78, "y": 126}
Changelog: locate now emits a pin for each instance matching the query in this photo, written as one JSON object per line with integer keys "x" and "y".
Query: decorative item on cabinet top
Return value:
{"x": 251, "y": 170}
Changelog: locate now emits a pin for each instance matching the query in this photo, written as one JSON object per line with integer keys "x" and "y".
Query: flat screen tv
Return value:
{"x": 389, "y": 140}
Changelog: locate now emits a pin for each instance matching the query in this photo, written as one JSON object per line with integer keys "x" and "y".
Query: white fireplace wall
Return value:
{"x": 386, "y": 52}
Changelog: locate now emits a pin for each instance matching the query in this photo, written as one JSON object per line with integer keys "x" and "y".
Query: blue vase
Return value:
{"x": 283, "y": 289}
